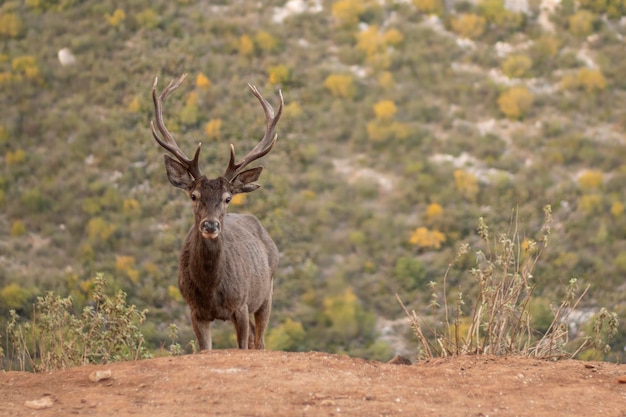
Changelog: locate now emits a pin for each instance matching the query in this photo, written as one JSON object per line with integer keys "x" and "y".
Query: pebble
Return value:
{"x": 98, "y": 376}
{"x": 40, "y": 404}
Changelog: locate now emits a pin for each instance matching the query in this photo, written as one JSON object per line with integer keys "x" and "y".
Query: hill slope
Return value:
{"x": 403, "y": 125}
{"x": 269, "y": 383}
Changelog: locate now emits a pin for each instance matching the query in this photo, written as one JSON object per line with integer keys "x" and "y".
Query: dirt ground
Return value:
{"x": 266, "y": 383}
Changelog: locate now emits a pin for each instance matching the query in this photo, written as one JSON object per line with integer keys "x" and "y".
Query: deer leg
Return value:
{"x": 241, "y": 320}
{"x": 261, "y": 319}
{"x": 251, "y": 336}
{"x": 202, "y": 330}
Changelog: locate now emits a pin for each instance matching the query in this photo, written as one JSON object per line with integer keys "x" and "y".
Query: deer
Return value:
{"x": 227, "y": 262}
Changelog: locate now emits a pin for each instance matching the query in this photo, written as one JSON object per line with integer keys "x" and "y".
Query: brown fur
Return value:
{"x": 228, "y": 261}
{"x": 228, "y": 277}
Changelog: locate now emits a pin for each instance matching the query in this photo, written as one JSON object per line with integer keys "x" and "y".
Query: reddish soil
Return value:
{"x": 266, "y": 383}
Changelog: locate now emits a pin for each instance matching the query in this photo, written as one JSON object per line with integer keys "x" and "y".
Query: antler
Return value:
{"x": 168, "y": 141}
{"x": 266, "y": 144}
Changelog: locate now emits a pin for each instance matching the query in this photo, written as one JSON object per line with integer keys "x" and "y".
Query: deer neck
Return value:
{"x": 207, "y": 257}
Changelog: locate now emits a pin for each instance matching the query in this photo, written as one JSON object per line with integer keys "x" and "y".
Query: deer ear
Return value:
{"x": 177, "y": 174}
{"x": 244, "y": 181}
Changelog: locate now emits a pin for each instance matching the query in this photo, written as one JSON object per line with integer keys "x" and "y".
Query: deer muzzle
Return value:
{"x": 210, "y": 229}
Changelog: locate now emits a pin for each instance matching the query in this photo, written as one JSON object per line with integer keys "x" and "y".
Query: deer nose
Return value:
{"x": 210, "y": 227}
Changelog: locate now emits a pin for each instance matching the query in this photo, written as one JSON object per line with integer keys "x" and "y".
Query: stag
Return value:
{"x": 227, "y": 262}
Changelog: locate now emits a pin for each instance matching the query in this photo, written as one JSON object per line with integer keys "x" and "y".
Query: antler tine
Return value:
{"x": 168, "y": 141}
{"x": 269, "y": 138}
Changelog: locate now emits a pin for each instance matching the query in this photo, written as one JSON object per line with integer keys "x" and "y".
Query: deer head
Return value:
{"x": 211, "y": 197}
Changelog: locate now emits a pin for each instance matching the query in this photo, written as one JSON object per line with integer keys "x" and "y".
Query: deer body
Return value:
{"x": 218, "y": 286}
{"x": 228, "y": 261}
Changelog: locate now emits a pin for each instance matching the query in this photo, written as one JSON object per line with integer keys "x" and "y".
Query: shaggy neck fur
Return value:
{"x": 205, "y": 256}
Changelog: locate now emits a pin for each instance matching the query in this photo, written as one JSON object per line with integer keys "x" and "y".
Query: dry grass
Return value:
{"x": 499, "y": 319}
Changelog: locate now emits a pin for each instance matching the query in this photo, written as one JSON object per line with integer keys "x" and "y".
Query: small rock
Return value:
{"x": 40, "y": 404}
{"x": 400, "y": 360}
{"x": 98, "y": 376}
{"x": 66, "y": 57}
{"x": 622, "y": 379}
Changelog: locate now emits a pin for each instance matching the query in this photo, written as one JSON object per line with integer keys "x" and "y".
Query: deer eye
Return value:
{"x": 195, "y": 195}
{"x": 227, "y": 201}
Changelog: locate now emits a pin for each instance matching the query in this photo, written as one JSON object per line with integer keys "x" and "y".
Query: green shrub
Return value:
{"x": 581, "y": 23}
{"x": 288, "y": 336}
{"x": 615, "y": 9}
{"x": 340, "y": 85}
{"x": 586, "y": 79}
{"x": 13, "y": 296}
{"x": 18, "y": 228}
{"x": 56, "y": 338}
{"x": 347, "y": 12}
{"x": 516, "y": 102}
{"x": 517, "y": 66}
{"x": 148, "y": 19}
{"x": 429, "y": 6}
{"x": 11, "y": 25}
{"x": 469, "y": 25}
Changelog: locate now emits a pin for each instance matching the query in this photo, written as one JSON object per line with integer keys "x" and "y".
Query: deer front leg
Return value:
{"x": 251, "y": 333}
{"x": 202, "y": 330}
{"x": 241, "y": 320}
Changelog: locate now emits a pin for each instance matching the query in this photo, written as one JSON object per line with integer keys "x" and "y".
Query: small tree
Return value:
{"x": 393, "y": 37}
{"x": 581, "y": 23}
{"x": 347, "y": 12}
{"x": 288, "y": 336}
{"x": 148, "y": 19}
{"x": 617, "y": 209}
{"x": 245, "y": 46}
{"x": 117, "y": 18}
{"x": 11, "y": 26}
{"x": 588, "y": 79}
{"x": 385, "y": 80}
{"x": 591, "y": 179}
{"x": 433, "y": 211}
{"x": 203, "y": 82}
{"x": 515, "y": 102}
{"x": 18, "y": 228}
{"x": 517, "y": 66}
{"x": 213, "y": 128}
{"x": 385, "y": 110}
{"x": 615, "y": 9}
{"x": 424, "y": 238}
{"x": 495, "y": 12}
{"x": 591, "y": 80}
{"x": 279, "y": 74}
{"x": 340, "y": 85}
{"x": 265, "y": 41}
{"x": 466, "y": 183}
{"x": 429, "y": 6}
{"x": 469, "y": 25}
{"x": 385, "y": 127}
{"x": 14, "y": 296}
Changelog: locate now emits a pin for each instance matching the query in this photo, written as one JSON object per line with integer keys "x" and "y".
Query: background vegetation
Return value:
{"x": 404, "y": 123}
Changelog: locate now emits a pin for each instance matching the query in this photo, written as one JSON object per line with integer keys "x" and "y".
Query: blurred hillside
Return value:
{"x": 405, "y": 122}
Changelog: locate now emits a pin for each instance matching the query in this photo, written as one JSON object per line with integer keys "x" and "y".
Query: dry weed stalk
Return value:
{"x": 500, "y": 321}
